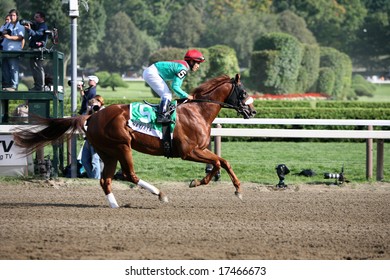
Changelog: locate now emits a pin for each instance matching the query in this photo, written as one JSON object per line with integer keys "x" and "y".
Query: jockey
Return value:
{"x": 158, "y": 73}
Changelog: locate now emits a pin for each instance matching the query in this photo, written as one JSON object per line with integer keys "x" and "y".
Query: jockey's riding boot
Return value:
{"x": 162, "y": 116}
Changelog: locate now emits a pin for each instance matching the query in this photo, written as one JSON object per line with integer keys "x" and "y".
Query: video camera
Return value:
{"x": 26, "y": 22}
{"x": 78, "y": 83}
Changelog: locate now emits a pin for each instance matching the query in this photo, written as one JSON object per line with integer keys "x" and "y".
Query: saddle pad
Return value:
{"x": 143, "y": 119}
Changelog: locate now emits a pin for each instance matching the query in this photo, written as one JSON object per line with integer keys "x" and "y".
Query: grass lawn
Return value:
{"x": 256, "y": 162}
{"x": 382, "y": 94}
{"x": 135, "y": 89}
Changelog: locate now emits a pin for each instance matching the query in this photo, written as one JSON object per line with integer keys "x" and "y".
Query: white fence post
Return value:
{"x": 369, "y": 149}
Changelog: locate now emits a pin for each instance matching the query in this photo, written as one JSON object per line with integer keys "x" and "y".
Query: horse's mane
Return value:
{"x": 210, "y": 85}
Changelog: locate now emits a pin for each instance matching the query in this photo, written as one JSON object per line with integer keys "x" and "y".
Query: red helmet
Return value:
{"x": 194, "y": 55}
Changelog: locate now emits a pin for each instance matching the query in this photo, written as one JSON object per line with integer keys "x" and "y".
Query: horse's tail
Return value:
{"x": 48, "y": 131}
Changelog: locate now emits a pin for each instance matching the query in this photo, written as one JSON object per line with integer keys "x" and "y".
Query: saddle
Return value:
{"x": 166, "y": 127}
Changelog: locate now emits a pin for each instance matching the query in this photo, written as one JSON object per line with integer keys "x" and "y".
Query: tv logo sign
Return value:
{"x": 10, "y": 154}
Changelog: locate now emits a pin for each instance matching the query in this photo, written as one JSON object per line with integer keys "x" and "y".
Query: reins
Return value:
{"x": 223, "y": 104}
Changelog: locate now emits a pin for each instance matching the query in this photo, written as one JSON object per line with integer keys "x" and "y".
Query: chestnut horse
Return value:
{"x": 109, "y": 133}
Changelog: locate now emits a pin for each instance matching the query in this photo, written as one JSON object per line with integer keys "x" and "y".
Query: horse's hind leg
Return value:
{"x": 106, "y": 180}
{"x": 126, "y": 162}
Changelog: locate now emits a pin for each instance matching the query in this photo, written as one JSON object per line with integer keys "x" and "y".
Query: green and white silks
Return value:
{"x": 143, "y": 119}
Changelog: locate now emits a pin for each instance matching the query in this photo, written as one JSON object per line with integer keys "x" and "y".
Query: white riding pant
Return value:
{"x": 154, "y": 80}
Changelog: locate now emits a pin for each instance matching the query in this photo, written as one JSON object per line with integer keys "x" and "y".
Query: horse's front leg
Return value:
{"x": 207, "y": 178}
{"x": 226, "y": 165}
{"x": 206, "y": 156}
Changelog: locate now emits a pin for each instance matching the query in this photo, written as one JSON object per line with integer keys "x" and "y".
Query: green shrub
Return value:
{"x": 276, "y": 61}
{"x": 362, "y": 87}
{"x": 341, "y": 65}
{"x": 309, "y": 70}
{"x": 326, "y": 80}
{"x": 112, "y": 81}
{"x": 223, "y": 61}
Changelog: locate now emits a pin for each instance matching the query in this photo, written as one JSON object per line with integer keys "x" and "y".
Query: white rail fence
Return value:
{"x": 369, "y": 134}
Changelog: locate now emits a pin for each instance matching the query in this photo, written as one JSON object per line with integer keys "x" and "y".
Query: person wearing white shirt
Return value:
{"x": 12, "y": 42}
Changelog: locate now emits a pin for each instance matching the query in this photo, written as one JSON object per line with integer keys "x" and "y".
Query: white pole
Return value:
{"x": 73, "y": 14}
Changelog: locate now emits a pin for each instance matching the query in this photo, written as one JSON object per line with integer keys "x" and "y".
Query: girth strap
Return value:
{"x": 166, "y": 139}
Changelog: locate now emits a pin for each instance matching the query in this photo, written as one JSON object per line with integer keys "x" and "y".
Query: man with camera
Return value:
{"x": 4, "y": 30}
{"x": 89, "y": 158}
{"x": 88, "y": 93}
{"x": 13, "y": 41}
{"x": 37, "y": 36}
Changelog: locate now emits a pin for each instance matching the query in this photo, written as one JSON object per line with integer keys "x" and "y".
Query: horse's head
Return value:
{"x": 240, "y": 99}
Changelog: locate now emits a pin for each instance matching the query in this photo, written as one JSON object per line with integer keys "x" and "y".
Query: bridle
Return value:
{"x": 235, "y": 100}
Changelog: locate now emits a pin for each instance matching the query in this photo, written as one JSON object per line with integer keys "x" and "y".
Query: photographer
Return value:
{"x": 4, "y": 30}
{"x": 88, "y": 93}
{"x": 89, "y": 158}
{"x": 37, "y": 36}
{"x": 12, "y": 42}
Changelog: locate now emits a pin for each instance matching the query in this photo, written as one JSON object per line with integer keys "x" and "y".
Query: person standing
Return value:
{"x": 160, "y": 72}
{"x": 12, "y": 42}
{"x": 38, "y": 38}
{"x": 4, "y": 29}
{"x": 89, "y": 158}
{"x": 87, "y": 94}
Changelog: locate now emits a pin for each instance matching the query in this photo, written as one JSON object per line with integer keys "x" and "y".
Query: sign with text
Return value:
{"x": 10, "y": 154}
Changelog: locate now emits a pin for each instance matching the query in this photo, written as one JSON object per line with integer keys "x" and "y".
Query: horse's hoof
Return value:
{"x": 239, "y": 195}
{"x": 162, "y": 197}
{"x": 194, "y": 183}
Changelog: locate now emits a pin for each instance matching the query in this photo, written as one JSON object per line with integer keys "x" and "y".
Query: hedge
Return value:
{"x": 276, "y": 60}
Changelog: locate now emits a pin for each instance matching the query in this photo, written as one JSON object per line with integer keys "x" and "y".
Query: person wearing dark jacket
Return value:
{"x": 87, "y": 94}
{"x": 38, "y": 38}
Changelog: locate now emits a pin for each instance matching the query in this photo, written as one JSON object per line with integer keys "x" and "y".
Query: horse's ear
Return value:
{"x": 237, "y": 78}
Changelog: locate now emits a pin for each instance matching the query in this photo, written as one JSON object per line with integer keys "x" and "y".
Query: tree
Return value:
{"x": 91, "y": 24}
{"x": 126, "y": 45}
{"x": 151, "y": 16}
{"x": 238, "y": 32}
{"x": 111, "y": 80}
{"x": 372, "y": 49}
{"x": 91, "y": 32}
{"x": 332, "y": 22}
{"x": 292, "y": 24}
{"x": 182, "y": 35}
{"x": 5, "y": 7}
{"x": 221, "y": 9}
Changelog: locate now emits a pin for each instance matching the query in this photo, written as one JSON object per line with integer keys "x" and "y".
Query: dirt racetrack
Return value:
{"x": 70, "y": 219}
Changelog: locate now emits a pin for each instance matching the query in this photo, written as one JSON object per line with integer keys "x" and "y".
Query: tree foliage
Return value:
{"x": 182, "y": 35}
{"x": 371, "y": 48}
{"x": 333, "y": 22}
{"x": 124, "y": 45}
{"x": 292, "y": 24}
{"x": 239, "y": 32}
{"x": 359, "y": 28}
{"x": 5, "y": 7}
{"x": 113, "y": 80}
{"x": 280, "y": 60}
